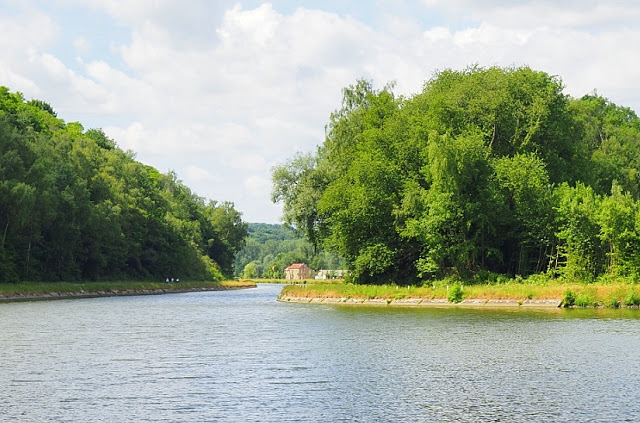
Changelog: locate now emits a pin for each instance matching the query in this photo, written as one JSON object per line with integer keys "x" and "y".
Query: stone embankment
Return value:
{"x": 423, "y": 302}
{"x": 111, "y": 293}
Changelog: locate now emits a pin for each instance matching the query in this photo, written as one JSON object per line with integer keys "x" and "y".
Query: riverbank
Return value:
{"x": 298, "y": 281}
{"x": 67, "y": 290}
{"x": 549, "y": 295}
{"x": 425, "y": 302}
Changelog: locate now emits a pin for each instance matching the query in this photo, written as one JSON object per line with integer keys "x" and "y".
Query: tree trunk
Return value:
{"x": 26, "y": 273}
{"x": 4, "y": 235}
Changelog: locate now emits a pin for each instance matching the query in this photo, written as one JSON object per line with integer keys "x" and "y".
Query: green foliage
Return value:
{"x": 42, "y": 105}
{"x": 455, "y": 294}
{"x": 585, "y": 300}
{"x": 539, "y": 279}
{"x": 372, "y": 261}
{"x": 632, "y": 300}
{"x": 250, "y": 270}
{"x": 73, "y": 206}
{"x": 300, "y": 181}
{"x": 569, "y": 299}
{"x": 486, "y": 169}
{"x": 579, "y": 251}
{"x": 526, "y": 222}
{"x": 613, "y": 302}
{"x": 617, "y": 220}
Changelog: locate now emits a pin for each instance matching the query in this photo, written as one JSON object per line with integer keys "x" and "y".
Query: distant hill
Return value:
{"x": 263, "y": 232}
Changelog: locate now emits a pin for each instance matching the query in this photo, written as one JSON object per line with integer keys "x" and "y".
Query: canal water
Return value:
{"x": 240, "y": 356}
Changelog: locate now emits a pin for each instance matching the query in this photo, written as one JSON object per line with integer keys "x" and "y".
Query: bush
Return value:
{"x": 455, "y": 294}
{"x": 569, "y": 299}
{"x": 538, "y": 279}
{"x": 632, "y": 300}
{"x": 487, "y": 277}
{"x": 584, "y": 300}
{"x": 212, "y": 268}
{"x": 502, "y": 279}
{"x": 613, "y": 303}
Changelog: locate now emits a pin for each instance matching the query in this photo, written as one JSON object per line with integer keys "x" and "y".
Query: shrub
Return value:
{"x": 212, "y": 268}
{"x": 455, "y": 294}
{"x": 502, "y": 279}
{"x": 569, "y": 299}
{"x": 604, "y": 279}
{"x": 632, "y": 300}
{"x": 485, "y": 276}
{"x": 584, "y": 300}
{"x": 538, "y": 279}
{"x": 613, "y": 302}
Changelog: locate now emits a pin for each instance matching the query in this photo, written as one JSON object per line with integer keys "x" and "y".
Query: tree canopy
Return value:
{"x": 484, "y": 170}
{"x": 74, "y": 206}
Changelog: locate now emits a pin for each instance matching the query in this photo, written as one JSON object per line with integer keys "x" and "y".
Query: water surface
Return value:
{"x": 240, "y": 356}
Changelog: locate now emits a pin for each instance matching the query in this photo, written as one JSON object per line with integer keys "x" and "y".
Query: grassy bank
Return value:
{"x": 42, "y": 288}
{"x": 298, "y": 281}
{"x": 572, "y": 294}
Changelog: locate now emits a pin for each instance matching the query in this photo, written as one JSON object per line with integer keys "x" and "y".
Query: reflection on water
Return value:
{"x": 239, "y": 356}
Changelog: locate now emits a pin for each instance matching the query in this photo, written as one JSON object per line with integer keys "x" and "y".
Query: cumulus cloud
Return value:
{"x": 197, "y": 174}
{"x": 220, "y": 92}
{"x": 589, "y": 15}
{"x": 82, "y": 45}
{"x": 257, "y": 185}
{"x": 20, "y": 38}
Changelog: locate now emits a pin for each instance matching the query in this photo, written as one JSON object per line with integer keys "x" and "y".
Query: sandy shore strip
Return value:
{"x": 424, "y": 302}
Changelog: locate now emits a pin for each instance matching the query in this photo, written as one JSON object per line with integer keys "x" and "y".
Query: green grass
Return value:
{"x": 67, "y": 287}
{"x": 298, "y": 282}
{"x": 611, "y": 295}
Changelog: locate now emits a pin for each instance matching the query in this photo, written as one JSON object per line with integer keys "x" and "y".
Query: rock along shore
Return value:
{"x": 111, "y": 293}
{"x": 424, "y": 302}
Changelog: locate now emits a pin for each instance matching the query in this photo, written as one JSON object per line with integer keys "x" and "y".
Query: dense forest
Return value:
{"x": 271, "y": 248}
{"x": 485, "y": 172}
{"x": 74, "y": 206}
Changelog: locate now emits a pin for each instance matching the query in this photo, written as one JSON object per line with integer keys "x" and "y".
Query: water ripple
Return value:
{"x": 242, "y": 357}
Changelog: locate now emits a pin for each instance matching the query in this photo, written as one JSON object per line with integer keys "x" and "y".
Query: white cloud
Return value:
{"x": 134, "y": 137}
{"x": 258, "y": 185}
{"x": 199, "y": 175}
{"x": 218, "y": 90}
{"x": 82, "y": 45}
{"x": 31, "y": 29}
{"x": 16, "y": 81}
{"x": 588, "y": 15}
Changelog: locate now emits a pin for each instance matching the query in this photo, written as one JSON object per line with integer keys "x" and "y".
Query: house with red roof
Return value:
{"x": 297, "y": 271}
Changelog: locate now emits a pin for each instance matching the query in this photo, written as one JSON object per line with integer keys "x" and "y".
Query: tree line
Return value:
{"x": 271, "y": 248}
{"x": 486, "y": 171}
{"x": 74, "y": 206}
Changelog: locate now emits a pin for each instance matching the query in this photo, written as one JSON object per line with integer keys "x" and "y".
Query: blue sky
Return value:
{"x": 221, "y": 91}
